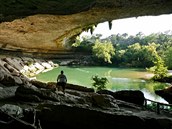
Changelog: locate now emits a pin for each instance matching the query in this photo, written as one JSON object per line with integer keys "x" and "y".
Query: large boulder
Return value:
{"x": 166, "y": 94}
{"x": 132, "y": 96}
{"x": 7, "y": 92}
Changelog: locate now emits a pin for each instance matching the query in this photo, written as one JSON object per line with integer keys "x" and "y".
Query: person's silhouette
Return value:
{"x": 61, "y": 81}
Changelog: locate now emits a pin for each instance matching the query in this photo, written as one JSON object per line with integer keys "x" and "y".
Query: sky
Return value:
{"x": 132, "y": 26}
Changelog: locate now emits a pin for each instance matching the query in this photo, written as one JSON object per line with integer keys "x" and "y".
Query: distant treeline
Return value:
{"x": 127, "y": 50}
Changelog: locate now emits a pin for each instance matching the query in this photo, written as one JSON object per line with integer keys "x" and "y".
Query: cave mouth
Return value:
{"x": 146, "y": 25}
{"x": 101, "y": 30}
{"x": 46, "y": 28}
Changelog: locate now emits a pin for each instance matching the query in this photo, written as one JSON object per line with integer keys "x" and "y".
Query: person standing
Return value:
{"x": 61, "y": 81}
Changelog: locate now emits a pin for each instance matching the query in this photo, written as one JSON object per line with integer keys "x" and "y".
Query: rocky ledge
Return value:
{"x": 38, "y": 106}
{"x": 17, "y": 71}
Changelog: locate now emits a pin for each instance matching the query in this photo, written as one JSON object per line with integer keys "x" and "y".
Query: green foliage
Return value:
{"x": 84, "y": 45}
{"x": 99, "y": 82}
{"x": 149, "y": 53}
{"x": 77, "y": 42}
{"x": 103, "y": 50}
{"x": 132, "y": 54}
{"x": 159, "y": 69}
{"x": 168, "y": 57}
{"x": 127, "y": 51}
{"x": 153, "y": 107}
{"x": 137, "y": 55}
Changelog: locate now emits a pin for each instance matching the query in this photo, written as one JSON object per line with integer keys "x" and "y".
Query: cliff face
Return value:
{"x": 48, "y": 26}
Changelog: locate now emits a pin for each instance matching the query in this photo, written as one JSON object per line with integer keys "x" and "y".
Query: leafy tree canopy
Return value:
{"x": 103, "y": 50}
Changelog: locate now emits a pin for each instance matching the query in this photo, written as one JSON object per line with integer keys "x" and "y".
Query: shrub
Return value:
{"x": 99, "y": 82}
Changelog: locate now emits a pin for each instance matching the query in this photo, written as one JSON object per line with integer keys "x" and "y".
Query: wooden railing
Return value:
{"x": 158, "y": 105}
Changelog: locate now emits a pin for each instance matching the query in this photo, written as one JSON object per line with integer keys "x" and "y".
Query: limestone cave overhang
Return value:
{"x": 49, "y": 26}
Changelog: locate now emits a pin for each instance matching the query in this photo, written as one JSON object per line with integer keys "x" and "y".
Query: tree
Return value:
{"x": 131, "y": 55}
{"x": 159, "y": 69}
{"x": 77, "y": 42}
{"x": 137, "y": 55}
{"x": 103, "y": 50}
{"x": 168, "y": 58}
{"x": 148, "y": 54}
{"x": 83, "y": 44}
{"x": 99, "y": 82}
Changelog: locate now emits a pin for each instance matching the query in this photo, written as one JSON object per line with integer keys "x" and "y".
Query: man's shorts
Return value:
{"x": 62, "y": 84}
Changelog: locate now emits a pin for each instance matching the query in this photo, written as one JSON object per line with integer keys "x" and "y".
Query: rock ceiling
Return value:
{"x": 47, "y": 26}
